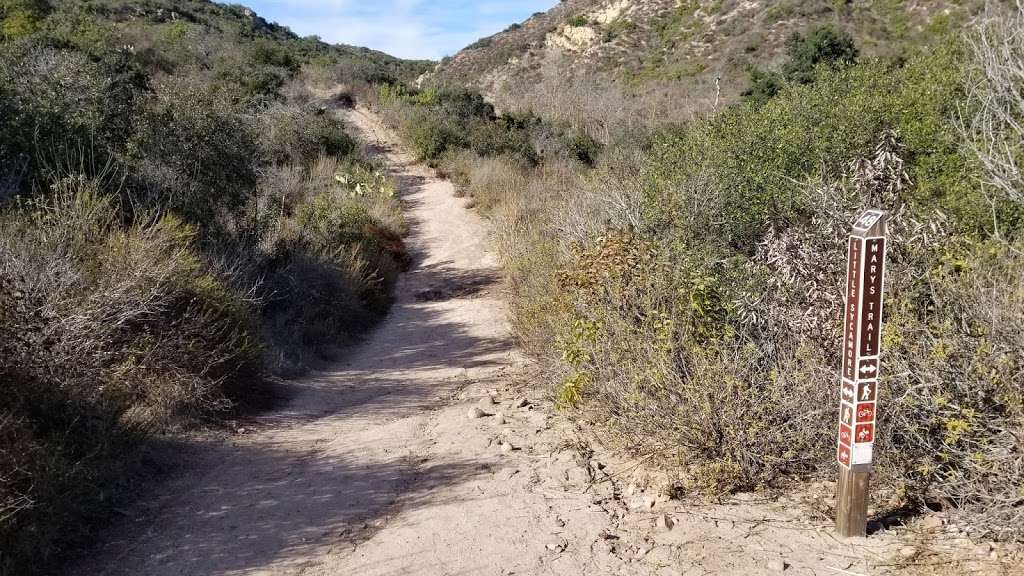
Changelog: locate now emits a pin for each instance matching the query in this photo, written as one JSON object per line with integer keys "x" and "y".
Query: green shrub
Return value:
{"x": 195, "y": 151}
{"x": 763, "y": 86}
{"x": 434, "y": 135}
{"x": 55, "y": 101}
{"x": 20, "y": 18}
{"x": 331, "y": 275}
{"x": 298, "y": 135}
{"x": 617, "y": 28}
{"x": 578, "y": 20}
{"x": 822, "y": 45}
{"x": 583, "y": 147}
{"x": 269, "y": 53}
{"x": 754, "y": 154}
{"x": 464, "y": 104}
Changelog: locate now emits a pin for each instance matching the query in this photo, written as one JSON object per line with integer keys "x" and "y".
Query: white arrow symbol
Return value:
{"x": 867, "y": 369}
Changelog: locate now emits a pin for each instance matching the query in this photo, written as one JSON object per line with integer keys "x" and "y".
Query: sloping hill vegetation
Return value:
{"x": 601, "y": 62}
{"x": 682, "y": 282}
{"x": 178, "y": 219}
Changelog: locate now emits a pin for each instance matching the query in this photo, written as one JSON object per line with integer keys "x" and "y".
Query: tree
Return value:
{"x": 822, "y": 45}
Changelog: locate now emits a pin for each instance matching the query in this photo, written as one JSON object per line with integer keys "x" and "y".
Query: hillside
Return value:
{"x": 651, "y": 54}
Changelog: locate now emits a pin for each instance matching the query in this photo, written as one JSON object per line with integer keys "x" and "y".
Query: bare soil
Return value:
{"x": 375, "y": 467}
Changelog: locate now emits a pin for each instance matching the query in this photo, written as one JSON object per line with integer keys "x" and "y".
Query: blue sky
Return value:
{"x": 404, "y": 28}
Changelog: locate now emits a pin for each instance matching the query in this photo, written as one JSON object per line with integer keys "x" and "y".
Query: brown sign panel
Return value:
{"x": 871, "y": 304}
{"x": 845, "y": 435}
{"x": 865, "y": 433}
{"x": 848, "y": 392}
{"x": 867, "y": 391}
{"x": 866, "y": 412}
{"x": 843, "y": 455}
{"x": 853, "y": 282}
{"x": 846, "y": 414}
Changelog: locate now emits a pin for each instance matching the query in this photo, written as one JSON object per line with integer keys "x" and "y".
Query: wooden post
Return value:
{"x": 852, "y": 502}
{"x": 862, "y": 331}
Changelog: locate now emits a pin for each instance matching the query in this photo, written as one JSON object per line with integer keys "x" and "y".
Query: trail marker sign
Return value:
{"x": 862, "y": 331}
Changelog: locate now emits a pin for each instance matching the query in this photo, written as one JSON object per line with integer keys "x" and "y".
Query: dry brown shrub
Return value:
{"x": 109, "y": 331}
{"x": 996, "y": 129}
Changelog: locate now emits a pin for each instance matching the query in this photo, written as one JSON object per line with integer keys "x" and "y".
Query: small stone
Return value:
{"x": 488, "y": 401}
{"x": 931, "y": 523}
{"x": 557, "y": 546}
{"x": 522, "y": 402}
{"x": 559, "y": 522}
{"x": 476, "y": 412}
{"x": 596, "y": 465}
{"x": 642, "y": 552}
{"x": 777, "y": 565}
{"x": 644, "y": 503}
{"x": 631, "y": 489}
{"x": 499, "y": 418}
{"x": 664, "y": 522}
{"x": 507, "y": 447}
{"x": 983, "y": 549}
{"x": 908, "y": 552}
{"x": 994, "y": 555}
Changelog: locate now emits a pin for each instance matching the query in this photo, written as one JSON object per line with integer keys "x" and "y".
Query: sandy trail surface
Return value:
{"x": 374, "y": 466}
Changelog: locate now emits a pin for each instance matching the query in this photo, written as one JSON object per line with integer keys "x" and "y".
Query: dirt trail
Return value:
{"x": 375, "y": 468}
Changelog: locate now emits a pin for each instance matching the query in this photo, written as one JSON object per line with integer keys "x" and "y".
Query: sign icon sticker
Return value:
{"x": 848, "y": 392}
{"x": 843, "y": 455}
{"x": 868, "y": 368}
{"x": 865, "y": 433}
{"x": 867, "y": 390}
{"x": 861, "y": 453}
{"x": 845, "y": 435}
{"x": 866, "y": 412}
{"x": 868, "y": 219}
{"x": 846, "y": 414}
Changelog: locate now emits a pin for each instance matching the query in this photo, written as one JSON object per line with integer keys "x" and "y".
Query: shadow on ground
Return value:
{"x": 287, "y": 505}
